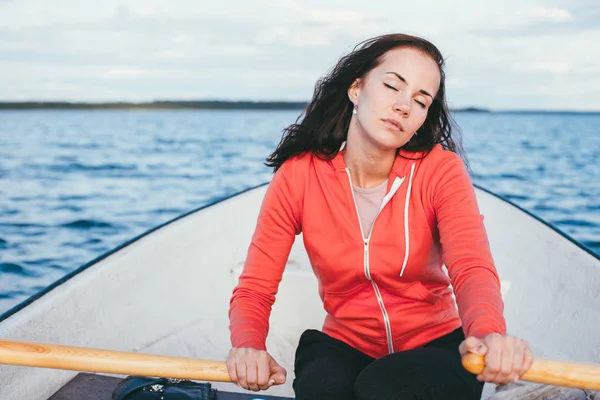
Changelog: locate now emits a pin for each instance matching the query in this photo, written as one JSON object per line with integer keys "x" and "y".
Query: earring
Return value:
{"x": 354, "y": 110}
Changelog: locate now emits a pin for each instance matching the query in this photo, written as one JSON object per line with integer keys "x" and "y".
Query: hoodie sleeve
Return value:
{"x": 278, "y": 224}
{"x": 466, "y": 251}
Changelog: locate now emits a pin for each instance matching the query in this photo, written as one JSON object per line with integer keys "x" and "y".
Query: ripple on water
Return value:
{"x": 576, "y": 223}
{"x": 12, "y": 268}
{"x": 515, "y": 197}
{"x": 79, "y": 167}
{"x": 13, "y": 294}
{"x": 86, "y": 224}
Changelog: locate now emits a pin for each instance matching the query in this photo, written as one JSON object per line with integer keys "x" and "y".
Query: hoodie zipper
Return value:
{"x": 386, "y": 319}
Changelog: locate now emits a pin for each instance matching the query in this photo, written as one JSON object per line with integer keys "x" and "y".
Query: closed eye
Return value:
{"x": 393, "y": 88}
{"x": 390, "y": 86}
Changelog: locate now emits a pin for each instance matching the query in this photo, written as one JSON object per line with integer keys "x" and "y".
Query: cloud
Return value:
{"x": 555, "y": 67}
{"x": 121, "y": 72}
{"x": 145, "y": 49}
{"x": 542, "y": 14}
{"x": 540, "y": 21}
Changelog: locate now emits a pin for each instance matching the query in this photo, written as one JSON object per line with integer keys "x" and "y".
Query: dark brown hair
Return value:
{"x": 323, "y": 125}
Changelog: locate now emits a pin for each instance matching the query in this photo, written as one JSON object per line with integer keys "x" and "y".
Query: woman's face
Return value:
{"x": 392, "y": 100}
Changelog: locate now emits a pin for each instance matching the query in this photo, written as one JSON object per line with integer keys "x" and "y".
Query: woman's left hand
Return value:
{"x": 507, "y": 358}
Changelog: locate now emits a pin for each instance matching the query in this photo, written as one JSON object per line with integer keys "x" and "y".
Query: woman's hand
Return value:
{"x": 254, "y": 369}
{"x": 507, "y": 358}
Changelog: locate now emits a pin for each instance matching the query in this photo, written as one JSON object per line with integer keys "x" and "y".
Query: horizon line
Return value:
{"x": 222, "y": 104}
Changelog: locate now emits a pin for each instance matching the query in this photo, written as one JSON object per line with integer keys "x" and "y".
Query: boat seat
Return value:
{"x": 87, "y": 386}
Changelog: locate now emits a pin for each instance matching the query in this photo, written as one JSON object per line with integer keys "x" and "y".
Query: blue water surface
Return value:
{"x": 75, "y": 184}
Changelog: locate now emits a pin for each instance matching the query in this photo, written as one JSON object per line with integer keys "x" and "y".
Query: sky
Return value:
{"x": 502, "y": 55}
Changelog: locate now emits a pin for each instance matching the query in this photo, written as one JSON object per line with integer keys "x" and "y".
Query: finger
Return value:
{"x": 231, "y": 369}
{"x": 528, "y": 358}
{"x": 264, "y": 372}
{"x": 252, "y": 377}
{"x": 279, "y": 377}
{"x": 506, "y": 373}
{"x": 519, "y": 360}
{"x": 242, "y": 372}
{"x": 471, "y": 345}
{"x": 278, "y": 373}
{"x": 493, "y": 358}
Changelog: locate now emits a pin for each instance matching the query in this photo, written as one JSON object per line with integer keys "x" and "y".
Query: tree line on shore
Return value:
{"x": 166, "y": 105}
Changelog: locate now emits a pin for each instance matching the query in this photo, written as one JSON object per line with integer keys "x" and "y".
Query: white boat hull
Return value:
{"x": 168, "y": 293}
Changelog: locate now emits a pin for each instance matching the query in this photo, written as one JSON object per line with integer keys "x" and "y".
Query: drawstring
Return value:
{"x": 406, "y": 238}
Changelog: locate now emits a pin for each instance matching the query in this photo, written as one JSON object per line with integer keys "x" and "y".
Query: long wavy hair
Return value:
{"x": 323, "y": 125}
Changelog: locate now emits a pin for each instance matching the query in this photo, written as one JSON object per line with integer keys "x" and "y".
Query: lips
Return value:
{"x": 394, "y": 124}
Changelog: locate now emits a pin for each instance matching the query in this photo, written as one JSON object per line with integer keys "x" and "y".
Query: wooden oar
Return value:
{"x": 108, "y": 361}
{"x": 12, "y": 352}
{"x": 559, "y": 373}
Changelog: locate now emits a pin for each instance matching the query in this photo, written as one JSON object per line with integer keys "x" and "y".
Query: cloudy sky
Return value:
{"x": 509, "y": 54}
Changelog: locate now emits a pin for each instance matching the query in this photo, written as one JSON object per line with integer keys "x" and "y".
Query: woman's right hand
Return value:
{"x": 254, "y": 369}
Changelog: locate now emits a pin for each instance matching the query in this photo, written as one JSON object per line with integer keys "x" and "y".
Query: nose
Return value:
{"x": 403, "y": 106}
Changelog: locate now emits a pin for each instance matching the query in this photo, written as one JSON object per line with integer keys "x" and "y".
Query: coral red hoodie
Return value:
{"x": 386, "y": 292}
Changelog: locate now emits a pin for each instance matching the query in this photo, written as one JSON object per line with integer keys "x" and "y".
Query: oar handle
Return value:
{"x": 576, "y": 375}
{"x": 109, "y": 361}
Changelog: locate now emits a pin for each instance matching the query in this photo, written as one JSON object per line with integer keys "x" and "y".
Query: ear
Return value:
{"x": 354, "y": 91}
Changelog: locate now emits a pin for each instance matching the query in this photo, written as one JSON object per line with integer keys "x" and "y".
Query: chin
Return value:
{"x": 390, "y": 142}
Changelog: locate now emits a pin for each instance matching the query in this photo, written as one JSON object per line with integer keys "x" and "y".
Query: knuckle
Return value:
{"x": 518, "y": 355}
{"x": 493, "y": 369}
{"x": 262, "y": 383}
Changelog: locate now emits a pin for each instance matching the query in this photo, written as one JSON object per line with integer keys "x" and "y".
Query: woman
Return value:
{"x": 372, "y": 179}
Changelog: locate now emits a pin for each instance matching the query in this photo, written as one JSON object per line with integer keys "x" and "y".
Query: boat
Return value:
{"x": 167, "y": 292}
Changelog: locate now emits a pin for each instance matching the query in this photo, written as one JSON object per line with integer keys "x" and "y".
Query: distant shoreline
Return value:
{"x": 170, "y": 105}
{"x": 222, "y": 105}
{"x": 154, "y": 105}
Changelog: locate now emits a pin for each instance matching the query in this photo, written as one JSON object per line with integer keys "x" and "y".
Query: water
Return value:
{"x": 75, "y": 184}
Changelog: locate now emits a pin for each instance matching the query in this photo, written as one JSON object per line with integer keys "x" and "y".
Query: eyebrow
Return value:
{"x": 404, "y": 80}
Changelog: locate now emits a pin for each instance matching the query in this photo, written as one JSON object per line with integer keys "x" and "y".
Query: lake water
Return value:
{"x": 76, "y": 184}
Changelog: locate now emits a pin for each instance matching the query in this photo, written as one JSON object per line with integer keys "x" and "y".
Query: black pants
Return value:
{"x": 327, "y": 368}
